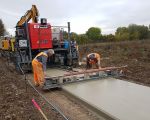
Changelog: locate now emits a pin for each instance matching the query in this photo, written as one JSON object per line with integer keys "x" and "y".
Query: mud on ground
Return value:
{"x": 16, "y": 96}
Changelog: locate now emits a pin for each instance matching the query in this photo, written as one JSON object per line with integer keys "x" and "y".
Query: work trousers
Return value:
{"x": 38, "y": 72}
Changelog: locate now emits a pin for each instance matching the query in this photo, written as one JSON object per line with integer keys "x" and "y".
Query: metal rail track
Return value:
{"x": 50, "y": 103}
{"x": 41, "y": 95}
{"x": 55, "y": 106}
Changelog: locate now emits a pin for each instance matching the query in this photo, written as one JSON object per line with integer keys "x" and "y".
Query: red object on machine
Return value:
{"x": 40, "y": 36}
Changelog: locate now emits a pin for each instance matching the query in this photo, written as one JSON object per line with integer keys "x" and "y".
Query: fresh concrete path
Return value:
{"x": 121, "y": 99}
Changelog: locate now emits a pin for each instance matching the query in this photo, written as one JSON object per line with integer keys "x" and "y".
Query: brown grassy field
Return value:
{"x": 15, "y": 100}
{"x": 135, "y": 54}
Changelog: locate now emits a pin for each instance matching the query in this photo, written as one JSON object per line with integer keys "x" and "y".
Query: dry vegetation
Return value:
{"x": 135, "y": 54}
{"x": 15, "y": 101}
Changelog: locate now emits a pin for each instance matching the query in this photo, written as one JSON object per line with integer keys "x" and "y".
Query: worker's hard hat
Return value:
{"x": 51, "y": 51}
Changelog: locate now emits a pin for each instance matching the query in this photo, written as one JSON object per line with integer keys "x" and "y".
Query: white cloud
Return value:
{"x": 10, "y": 13}
{"x": 83, "y": 14}
{"x": 11, "y": 31}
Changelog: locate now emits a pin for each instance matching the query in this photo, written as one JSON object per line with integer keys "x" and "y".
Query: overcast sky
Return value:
{"x": 83, "y": 14}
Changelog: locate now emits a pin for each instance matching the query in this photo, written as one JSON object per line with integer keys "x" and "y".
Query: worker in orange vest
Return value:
{"x": 39, "y": 66}
{"x": 93, "y": 59}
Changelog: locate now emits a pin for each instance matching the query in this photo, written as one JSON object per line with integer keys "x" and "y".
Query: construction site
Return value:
{"x": 114, "y": 87}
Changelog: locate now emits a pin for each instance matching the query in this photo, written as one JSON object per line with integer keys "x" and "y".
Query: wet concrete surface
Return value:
{"x": 71, "y": 107}
{"x": 55, "y": 72}
{"x": 121, "y": 99}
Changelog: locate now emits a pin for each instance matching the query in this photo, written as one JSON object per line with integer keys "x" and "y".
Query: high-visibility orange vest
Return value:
{"x": 40, "y": 54}
{"x": 96, "y": 57}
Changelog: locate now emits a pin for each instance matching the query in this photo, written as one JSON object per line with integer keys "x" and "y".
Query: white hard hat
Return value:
{"x": 51, "y": 51}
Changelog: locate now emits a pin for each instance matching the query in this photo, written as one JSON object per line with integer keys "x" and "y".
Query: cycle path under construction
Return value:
{"x": 111, "y": 98}
{"x": 114, "y": 98}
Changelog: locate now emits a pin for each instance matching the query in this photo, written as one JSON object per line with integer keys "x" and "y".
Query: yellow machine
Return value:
{"x": 30, "y": 14}
{"x": 7, "y": 43}
{"x": 12, "y": 46}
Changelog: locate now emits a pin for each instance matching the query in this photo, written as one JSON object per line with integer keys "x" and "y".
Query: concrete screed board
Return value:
{"x": 121, "y": 99}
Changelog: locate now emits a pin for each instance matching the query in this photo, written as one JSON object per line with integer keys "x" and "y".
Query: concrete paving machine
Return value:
{"x": 32, "y": 38}
{"x": 80, "y": 76}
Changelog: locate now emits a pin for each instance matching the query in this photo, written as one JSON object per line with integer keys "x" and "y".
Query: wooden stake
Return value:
{"x": 38, "y": 107}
